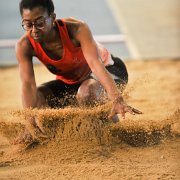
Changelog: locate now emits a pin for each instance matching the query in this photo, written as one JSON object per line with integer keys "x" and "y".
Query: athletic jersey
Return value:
{"x": 72, "y": 67}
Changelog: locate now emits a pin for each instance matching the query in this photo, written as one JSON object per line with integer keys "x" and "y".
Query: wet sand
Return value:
{"x": 84, "y": 145}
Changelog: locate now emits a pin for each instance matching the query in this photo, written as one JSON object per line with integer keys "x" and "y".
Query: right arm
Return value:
{"x": 30, "y": 95}
{"x": 24, "y": 54}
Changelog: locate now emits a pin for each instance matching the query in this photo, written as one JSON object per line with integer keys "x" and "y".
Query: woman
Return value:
{"x": 83, "y": 67}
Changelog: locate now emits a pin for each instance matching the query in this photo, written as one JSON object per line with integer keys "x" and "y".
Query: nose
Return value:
{"x": 34, "y": 29}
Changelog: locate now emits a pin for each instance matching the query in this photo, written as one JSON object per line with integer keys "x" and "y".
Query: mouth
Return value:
{"x": 36, "y": 37}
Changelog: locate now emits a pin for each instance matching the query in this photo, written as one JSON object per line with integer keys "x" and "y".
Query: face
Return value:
{"x": 37, "y": 23}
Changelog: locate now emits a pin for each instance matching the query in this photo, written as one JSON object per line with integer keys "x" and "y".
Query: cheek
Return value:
{"x": 48, "y": 27}
{"x": 44, "y": 32}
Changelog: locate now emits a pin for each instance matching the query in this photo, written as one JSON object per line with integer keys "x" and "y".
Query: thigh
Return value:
{"x": 59, "y": 94}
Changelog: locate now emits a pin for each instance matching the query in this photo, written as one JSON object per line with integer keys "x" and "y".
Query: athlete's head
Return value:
{"x": 31, "y": 4}
{"x": 38, "y": 18}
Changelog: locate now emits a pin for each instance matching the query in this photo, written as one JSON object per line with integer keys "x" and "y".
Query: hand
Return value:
{"x": 121, "y": 107}
{"x": 36, "y": 132}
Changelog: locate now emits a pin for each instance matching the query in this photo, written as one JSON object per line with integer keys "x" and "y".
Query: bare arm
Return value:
{"x": 90, "y": 52}
{"x": 29, "y": 89}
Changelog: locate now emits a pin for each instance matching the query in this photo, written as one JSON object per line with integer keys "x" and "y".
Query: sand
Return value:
{"x": 84, "y": 144}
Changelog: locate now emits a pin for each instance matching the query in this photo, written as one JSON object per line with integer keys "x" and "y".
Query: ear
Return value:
{"x": 53, "y": 15}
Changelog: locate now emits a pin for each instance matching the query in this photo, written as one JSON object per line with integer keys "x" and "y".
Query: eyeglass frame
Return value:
{"x": 35, "y": 24}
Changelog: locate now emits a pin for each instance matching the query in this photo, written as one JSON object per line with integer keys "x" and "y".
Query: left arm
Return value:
{"x": 90, "y": 52}
{"x": 93, "y": 58}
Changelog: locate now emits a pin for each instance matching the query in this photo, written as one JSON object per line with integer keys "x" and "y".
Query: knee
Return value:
{"x": 88, "y": 94}
{"x": 84, "y": 93}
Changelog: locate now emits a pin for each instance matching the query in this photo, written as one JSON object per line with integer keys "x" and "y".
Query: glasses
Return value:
{"x": 38, "y": 24}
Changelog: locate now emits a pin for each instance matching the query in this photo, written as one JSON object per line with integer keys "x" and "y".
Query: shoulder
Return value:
{"x": 24, "y": 49}
{"x": 75, "y": 26}
{"x": 23, "y": 43}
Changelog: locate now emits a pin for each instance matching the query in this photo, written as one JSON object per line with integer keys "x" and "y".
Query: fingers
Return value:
{"x": 136, "y": 111}
{"x": 122, "y": 111}
{"x": 111, "y": 115}
{"x": 123, "y": 114}
{"x": 133, "y": 111}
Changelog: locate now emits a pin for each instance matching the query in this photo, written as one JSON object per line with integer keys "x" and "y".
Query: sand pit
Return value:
{"x": 84, "y": 144}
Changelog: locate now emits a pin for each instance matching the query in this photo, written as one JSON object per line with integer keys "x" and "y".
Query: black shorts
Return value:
{"x": 117, "y": 71}
{"x": 62, "y": 93}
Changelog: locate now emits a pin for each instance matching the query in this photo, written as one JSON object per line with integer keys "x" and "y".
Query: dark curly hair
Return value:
{"x": 30, "y": 4}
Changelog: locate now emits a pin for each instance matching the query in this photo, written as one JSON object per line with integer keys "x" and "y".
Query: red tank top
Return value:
{"x": 72, "y": 67}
